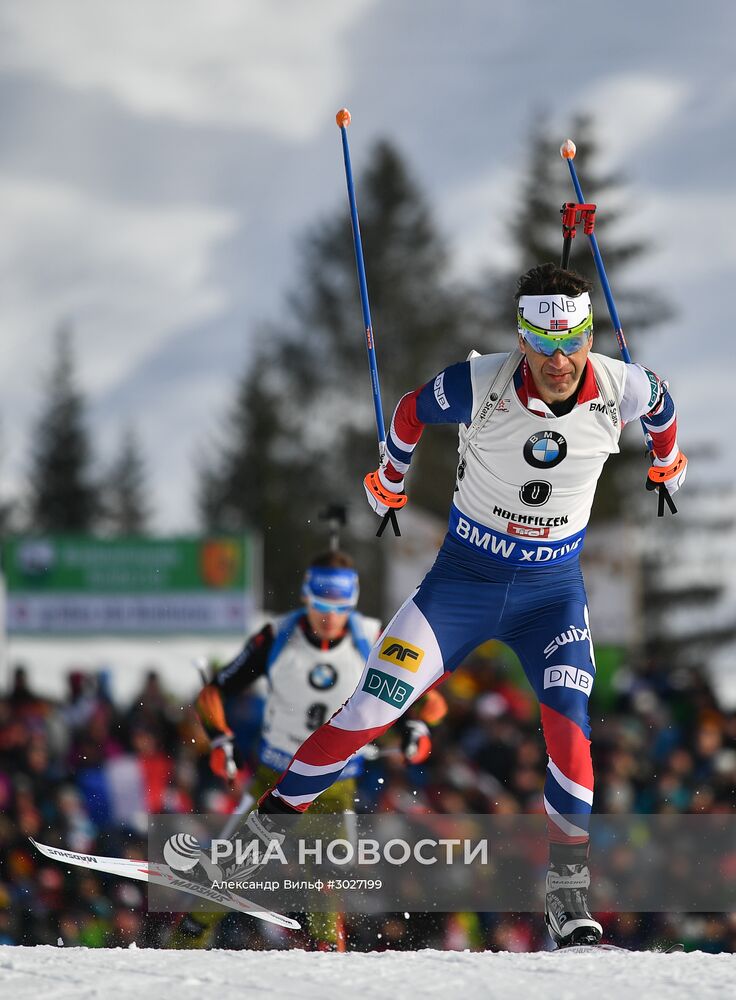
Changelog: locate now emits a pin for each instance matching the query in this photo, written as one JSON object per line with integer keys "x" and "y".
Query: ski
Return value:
{"x": 162, "y": 875}
{"x": 585, "y": 949}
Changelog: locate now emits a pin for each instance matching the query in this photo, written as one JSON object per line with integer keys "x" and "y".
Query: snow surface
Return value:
{"x": 118, "y": 974}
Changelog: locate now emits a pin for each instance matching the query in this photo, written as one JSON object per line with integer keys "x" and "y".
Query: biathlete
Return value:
{"x": 536, "y": 427}
{"x": 312, "y": 660}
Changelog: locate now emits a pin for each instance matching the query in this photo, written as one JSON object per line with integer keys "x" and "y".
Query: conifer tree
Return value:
{"x": 124, "y": 493}
{"x": 302, "y": 430}
{"x": 62, "y": 495}
{"x": 7, "y": 504}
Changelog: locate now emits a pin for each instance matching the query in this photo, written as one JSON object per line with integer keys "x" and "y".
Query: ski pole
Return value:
{"x": 567, "y": 152}
{"x": 243, "y": 807}
{"x": 343, "y": 120}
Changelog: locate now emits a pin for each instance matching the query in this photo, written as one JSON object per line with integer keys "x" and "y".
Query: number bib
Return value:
{"x": 306, "y": 687}
{"x": 526, "y": 486}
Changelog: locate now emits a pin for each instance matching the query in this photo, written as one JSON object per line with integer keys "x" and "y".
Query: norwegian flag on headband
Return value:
{"x": 558, "y": 324}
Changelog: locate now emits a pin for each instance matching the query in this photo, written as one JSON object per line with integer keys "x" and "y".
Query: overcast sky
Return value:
{"x": 159, "y": 159}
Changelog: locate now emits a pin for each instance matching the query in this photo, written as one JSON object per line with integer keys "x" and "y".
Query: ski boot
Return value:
{"x": 566, "y": 913}
{"x": 260, "y": 824}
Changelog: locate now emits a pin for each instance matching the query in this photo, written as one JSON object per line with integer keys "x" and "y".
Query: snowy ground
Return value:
{"x": 82, "y": 974}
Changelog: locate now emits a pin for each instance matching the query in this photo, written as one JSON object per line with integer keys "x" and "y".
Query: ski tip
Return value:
{"x": 271, "y": 917}
{"x": 568, "y": 150}
{"x": 41, "y": 848}
{"x": 343, "y": 118}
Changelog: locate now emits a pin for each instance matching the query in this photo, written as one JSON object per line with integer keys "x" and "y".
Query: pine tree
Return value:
{"x": 686, "y": 579}
{"x": 62, "y": 495}
{"x": 302, "y": 431}
{"x": 250, "y": 480}
{"x": 7, "y": 505}
{"x": 124, "y": 493}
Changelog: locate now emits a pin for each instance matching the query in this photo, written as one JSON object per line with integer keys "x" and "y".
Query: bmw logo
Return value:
{"x": 545, "y": 450}
{"x": 323, "y": 676}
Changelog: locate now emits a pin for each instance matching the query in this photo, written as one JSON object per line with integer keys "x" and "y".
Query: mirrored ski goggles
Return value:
{"x": 548, "y": 341}
{"x": 331, "y": 588}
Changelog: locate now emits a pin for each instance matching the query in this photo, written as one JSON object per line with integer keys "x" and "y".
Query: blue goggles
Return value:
{"x": 331, "y": 588}
{"x": 548, "y": 341}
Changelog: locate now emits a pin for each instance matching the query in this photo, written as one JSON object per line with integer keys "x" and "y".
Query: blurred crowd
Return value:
{"x": 85, "y": 772}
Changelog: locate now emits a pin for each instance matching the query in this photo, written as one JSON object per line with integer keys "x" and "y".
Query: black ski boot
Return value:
{"x": 566, "y": 912}
{"x": 262, "y": 823}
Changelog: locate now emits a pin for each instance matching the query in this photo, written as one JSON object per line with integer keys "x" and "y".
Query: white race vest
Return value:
{"x": 306, "y": 687}
{"x": 526, "y": 486}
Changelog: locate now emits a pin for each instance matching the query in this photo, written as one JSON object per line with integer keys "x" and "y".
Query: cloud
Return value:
{"x": 131, "y": 104}
{"x": 632, "y": 110}
{"x": 696, "y": 228}
{"x": 692, "y": 349}
{"x": 235, "y": 63}
{"x": 478, "y": 211}
{"x": 125, "y": 278}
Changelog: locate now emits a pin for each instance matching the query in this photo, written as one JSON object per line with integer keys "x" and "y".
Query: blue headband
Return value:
{"x": 331, "y": 588}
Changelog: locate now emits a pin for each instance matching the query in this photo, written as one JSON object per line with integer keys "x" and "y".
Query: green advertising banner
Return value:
{"x": 62, "y": 585}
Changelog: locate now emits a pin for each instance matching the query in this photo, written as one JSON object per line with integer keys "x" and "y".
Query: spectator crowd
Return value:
{"x": 85, "y": 772}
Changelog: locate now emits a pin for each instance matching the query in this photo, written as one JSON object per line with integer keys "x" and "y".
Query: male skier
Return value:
{"x": 312, "y": 659}
{"x": 536, "y": 427}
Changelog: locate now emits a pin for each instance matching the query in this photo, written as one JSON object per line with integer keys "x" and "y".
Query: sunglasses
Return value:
{"x": 327, "y": 606}
{"x": 547, "y": 342}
